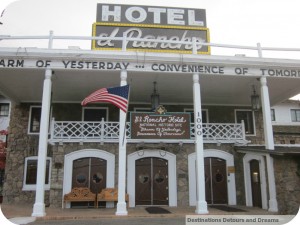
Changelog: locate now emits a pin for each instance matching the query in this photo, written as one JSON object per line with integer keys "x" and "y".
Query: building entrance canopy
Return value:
{"x": 225, "y": 80}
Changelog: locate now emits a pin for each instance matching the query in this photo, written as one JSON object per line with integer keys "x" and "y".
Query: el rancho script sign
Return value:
{"x": 150, "y": 23}
{"x": 157, "y": 126}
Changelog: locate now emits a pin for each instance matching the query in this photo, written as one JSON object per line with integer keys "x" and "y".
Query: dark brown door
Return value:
{"x": 151, "y": 182}
{"x": 255, "y": 183}
{"x": 91, "y": 173}
{"x": 215, "y": 181}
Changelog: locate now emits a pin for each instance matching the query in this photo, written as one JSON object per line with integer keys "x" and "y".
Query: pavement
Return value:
{"x": 21, "y": 213}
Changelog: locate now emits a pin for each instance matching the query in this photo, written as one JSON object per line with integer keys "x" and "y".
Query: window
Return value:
{"x": 95, "y": 114}
{"x": 30, "y": 173}
{"x": 273, "y": 118}
{"x": 248, "y": 118}
{"x": 295, "y": 115}
{"x": 34, "y": 119}
{"x": 204, "y": 115}
{"x": 4, "y": 109}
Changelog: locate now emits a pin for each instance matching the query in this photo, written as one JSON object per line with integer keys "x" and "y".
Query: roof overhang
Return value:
{"x": 225, "y": 80}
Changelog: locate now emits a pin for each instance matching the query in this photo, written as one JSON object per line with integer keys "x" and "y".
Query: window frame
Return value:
{"x": 86, "y": 108}
{"x": 32, "y": 187}
{"x": 273, "y": 115}
{"x": 30, "y": 119}
{"x": 294, "y": 110}
{"x": 8, "y": 111}
{"x": 253, "y": 120}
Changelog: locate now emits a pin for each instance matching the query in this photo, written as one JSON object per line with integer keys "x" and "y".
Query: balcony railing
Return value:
{"x": 83, "y": 131}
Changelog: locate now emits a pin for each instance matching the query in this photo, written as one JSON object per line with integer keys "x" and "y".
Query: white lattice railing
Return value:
{"x": 82, "y": 131}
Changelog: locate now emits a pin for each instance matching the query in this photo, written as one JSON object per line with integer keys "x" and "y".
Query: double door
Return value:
{"x": 151, "y": 182}
{"x": 89, "y": 172}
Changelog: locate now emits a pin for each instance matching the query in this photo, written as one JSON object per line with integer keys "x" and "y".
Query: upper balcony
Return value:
{"x": 108, "y": 132}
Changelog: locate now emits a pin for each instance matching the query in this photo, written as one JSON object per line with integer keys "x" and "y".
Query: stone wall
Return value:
{"x": 287, "y": 180}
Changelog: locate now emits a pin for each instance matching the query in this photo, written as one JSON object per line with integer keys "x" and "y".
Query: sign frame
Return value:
{"x": 186, "y": 128}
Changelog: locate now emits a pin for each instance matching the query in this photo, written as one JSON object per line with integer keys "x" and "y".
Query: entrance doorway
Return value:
{"x": 215, "y": 181}
{"x": 255, "y": 183}
{"x": 89, "y": 172}
{"x": 151, "y": 181}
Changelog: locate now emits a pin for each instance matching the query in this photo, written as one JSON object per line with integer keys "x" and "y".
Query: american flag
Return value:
{"x": 115, "y": 95}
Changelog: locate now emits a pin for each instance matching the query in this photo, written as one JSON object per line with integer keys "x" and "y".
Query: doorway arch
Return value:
{"x": 84, "y": 153}
{"x": 171, "y": 158}
{"x": 247, "y": 178}
{"x": 212, "y": 153}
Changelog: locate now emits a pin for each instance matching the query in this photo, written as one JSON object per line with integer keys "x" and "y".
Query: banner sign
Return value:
{"x": 156, "y": 126}
{"x": 153, "y": 24}
{"x": 201, "y": 68}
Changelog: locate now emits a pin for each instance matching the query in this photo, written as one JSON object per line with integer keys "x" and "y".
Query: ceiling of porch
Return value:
{"x": 26, "y": 85}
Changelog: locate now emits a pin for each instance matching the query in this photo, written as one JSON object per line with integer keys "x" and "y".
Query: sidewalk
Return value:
{"x": 21, "y": 210}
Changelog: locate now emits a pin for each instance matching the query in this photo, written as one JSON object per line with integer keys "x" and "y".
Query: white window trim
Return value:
{"x": 32, "y": 187}
{"x": 106, "y": 108}
{"x": 253, "y": 118}
{"x": 29, "y": 121}
{"x": 6, "y": 103}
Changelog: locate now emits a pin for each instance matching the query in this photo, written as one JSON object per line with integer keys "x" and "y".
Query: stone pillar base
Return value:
{"x": 38, "y": 210}
{"x": 121, "y": 209}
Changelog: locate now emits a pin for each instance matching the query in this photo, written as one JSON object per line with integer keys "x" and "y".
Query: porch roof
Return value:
{"x": 25, "y": 84}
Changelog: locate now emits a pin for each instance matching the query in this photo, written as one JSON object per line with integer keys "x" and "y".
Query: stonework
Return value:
{"x": 287, "y": 184}
{"x": 22, "y": 145}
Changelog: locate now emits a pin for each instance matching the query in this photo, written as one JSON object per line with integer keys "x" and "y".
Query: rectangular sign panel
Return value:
{"x": 150, "y": 34}
{"x": 158, "y": 26}
{"x": 156, "y": 126}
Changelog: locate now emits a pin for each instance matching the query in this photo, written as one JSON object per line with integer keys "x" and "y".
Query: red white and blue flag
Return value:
{"x": 115, "y": 95}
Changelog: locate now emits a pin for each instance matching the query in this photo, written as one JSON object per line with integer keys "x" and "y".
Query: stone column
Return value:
{"x": 201, "y": 204}
{"x": 121, "y": 206}
{"x": 39, "y": 205}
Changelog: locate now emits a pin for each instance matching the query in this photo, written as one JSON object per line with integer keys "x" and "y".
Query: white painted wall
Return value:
{"x": 283, "y": 113}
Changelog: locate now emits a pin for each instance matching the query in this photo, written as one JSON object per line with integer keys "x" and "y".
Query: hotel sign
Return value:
{"x": 150, "y": 23}
{"x": 156, "y": 126}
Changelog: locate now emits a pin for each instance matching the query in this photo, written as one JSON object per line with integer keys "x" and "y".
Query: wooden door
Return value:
{"x": 151, "y": 183}
{"x": 215, "y": 181}
{"x": 255, "y": 183}
{"x": 89, "y": 172}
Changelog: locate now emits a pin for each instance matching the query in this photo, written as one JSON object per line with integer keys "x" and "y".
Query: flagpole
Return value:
{"x": 125, "y": 135}
{"x": 121, "y": 205}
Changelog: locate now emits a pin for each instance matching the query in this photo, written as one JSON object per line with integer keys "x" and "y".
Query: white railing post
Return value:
{"x": 243, "y": 129}
{"x": 52, "y": 128}
{"x": 50, "y": 43}
{"x": 102, "y": 131}
{"x": 259, "y": 49}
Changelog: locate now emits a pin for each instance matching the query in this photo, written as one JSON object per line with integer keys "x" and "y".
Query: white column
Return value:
{"x": 39, "y": 205}
{"x": 265, "y": 102}
{"x": 121, "y": 206}
{"x": 269, "y": 143}
{"x": 201, "y": 204}
{"x": 273, "y": 206}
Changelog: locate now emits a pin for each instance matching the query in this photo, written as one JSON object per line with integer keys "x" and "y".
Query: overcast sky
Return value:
{"x": 273, "y": 23}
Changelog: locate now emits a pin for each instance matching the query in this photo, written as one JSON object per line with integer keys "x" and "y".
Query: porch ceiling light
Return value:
{"x": 255, "y": 104}
{"x": 154, "y": 98}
